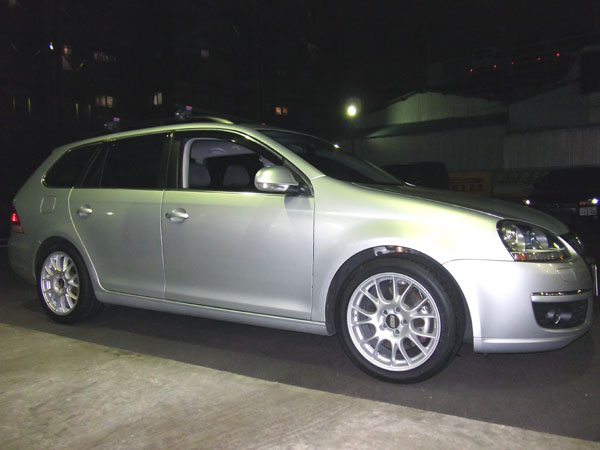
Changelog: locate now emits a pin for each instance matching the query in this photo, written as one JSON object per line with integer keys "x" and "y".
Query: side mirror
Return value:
{"x": 275, "y": 179}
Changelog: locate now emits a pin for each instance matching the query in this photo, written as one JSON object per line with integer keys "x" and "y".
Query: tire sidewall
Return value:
{"x": 441, "y": 294}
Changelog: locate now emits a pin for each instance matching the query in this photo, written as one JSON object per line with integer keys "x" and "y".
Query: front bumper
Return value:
{"x": 504, "y": 297}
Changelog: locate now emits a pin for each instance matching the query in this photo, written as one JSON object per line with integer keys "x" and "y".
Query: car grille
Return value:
{"x": 559, "y": 315}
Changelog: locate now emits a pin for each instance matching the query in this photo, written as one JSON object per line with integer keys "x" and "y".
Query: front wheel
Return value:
{"x": 64, "y": 286}
{"x": 399, "y": 319}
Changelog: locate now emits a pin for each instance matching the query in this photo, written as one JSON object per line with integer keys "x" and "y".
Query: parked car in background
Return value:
{"x": 572, "y": 196}
{"x": 270, "y": 227}
{"x": 568, "y": 194}
{"x": 426, "y": 174}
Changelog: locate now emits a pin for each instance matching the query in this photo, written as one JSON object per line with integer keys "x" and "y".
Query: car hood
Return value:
{"x": 480, "y": 204}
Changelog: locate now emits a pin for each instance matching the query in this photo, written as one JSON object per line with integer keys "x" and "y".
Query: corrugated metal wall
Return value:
{"x": 463, "y": 149}
{"x": 551, "y": 148}
{"x": 435, "y": 106}
{"x": 489, "y": 147}
{"x": 563, "y": 107}
{"x": 428, "y": 106}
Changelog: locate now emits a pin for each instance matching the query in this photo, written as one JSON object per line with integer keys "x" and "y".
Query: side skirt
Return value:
{"x": 210, "y": 312}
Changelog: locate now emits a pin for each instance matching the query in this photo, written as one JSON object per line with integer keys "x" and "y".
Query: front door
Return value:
{"x": 226, "y": 244}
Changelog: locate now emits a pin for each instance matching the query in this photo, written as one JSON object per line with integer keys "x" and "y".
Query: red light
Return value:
{"x": 512, "y": 63}
{"x": 116, "y": 119}
{"x": 539, "y": 58}
{"x": 557, "y": 54}
{"x": 471, "y": 70}
{"x": 15, "y": 223}
{"x": 495, "y": 66}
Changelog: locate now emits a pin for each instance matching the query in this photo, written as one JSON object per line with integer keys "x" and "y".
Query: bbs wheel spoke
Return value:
{"x": 393, "y": 321}
{"x": 59, "y": 283}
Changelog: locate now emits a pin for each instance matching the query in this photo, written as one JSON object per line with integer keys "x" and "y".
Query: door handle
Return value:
{"x": 84, "y": 211}
{"x": 177, "y": 215}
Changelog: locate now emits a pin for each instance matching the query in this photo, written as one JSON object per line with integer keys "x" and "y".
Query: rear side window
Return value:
{"x": 132, "y": 163}
{"x": 70, "y": 167}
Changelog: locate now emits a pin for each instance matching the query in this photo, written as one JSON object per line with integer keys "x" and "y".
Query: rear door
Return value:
{"x": 116, "y": 212}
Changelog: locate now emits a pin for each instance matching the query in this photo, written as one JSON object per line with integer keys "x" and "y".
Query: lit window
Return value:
{"x": 66, "y": 57}
{"x": 104, "y": 57}
{"x": 205, "y": 53}
{"x": 158, "y": 99}
{"x": 281, "y": 111}
{"x": 106, "y": 101}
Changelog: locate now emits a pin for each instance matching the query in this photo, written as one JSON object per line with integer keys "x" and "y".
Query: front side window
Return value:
{"x": 69, "y": 168}
{"x": 131, "y": 163}
{"x": 221, "y": 163}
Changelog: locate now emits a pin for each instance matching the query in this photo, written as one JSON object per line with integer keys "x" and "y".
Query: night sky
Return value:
{"x": 328, "y": 51}
{"x": 376, "y": 49}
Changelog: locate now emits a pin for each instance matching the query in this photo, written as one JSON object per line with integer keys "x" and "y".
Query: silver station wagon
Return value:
{"x": 270, "y": 227}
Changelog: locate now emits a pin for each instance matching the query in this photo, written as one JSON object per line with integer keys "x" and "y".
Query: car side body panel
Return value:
{"x": 120, "y": 230}
{"x": 43, "y": 211}
{"x": 350, "y": 219}
{"x": 235, "y": 248}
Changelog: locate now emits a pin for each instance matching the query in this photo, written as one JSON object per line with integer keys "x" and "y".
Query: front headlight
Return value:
{"x": 530, "y": 243}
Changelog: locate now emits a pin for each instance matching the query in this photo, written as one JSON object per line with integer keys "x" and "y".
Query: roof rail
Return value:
{"x": 185, "y": 114}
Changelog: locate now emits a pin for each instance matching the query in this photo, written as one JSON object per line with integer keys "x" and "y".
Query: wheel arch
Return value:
{"x": 370, "y": 254}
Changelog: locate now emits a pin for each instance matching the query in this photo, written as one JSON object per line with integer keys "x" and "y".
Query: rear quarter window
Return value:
{"x": 138, "y": 162}
{"x": 66, "y": 172}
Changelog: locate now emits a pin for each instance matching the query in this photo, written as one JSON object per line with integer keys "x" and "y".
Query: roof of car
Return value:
{"x": 127, "y": 128}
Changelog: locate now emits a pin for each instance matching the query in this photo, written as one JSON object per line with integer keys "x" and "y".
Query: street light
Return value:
{"x": 351, "y": 111}
{"x": 352, "y": 108}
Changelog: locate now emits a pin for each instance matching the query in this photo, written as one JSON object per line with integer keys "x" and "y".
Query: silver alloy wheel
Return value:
{"x": 393, "y": 322}
{"x": 59, "y": 283}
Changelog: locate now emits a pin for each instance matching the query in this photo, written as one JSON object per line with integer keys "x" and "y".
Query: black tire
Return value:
{"x": 437, "y": 320}
{"x": 63, "y": 284}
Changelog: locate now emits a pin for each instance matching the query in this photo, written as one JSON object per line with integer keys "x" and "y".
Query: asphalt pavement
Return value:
{"x": 554, "y": 392}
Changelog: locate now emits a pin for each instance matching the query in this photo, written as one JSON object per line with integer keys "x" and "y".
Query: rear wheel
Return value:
{"x": 399, "y": 320}
{"x": 64, "y": 286}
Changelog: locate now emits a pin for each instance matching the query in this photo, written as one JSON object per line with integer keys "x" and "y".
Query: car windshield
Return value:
{"x": 330, "y": 159}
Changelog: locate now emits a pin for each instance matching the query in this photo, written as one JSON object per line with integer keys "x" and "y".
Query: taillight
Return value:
{"x": 15, "y": 222}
